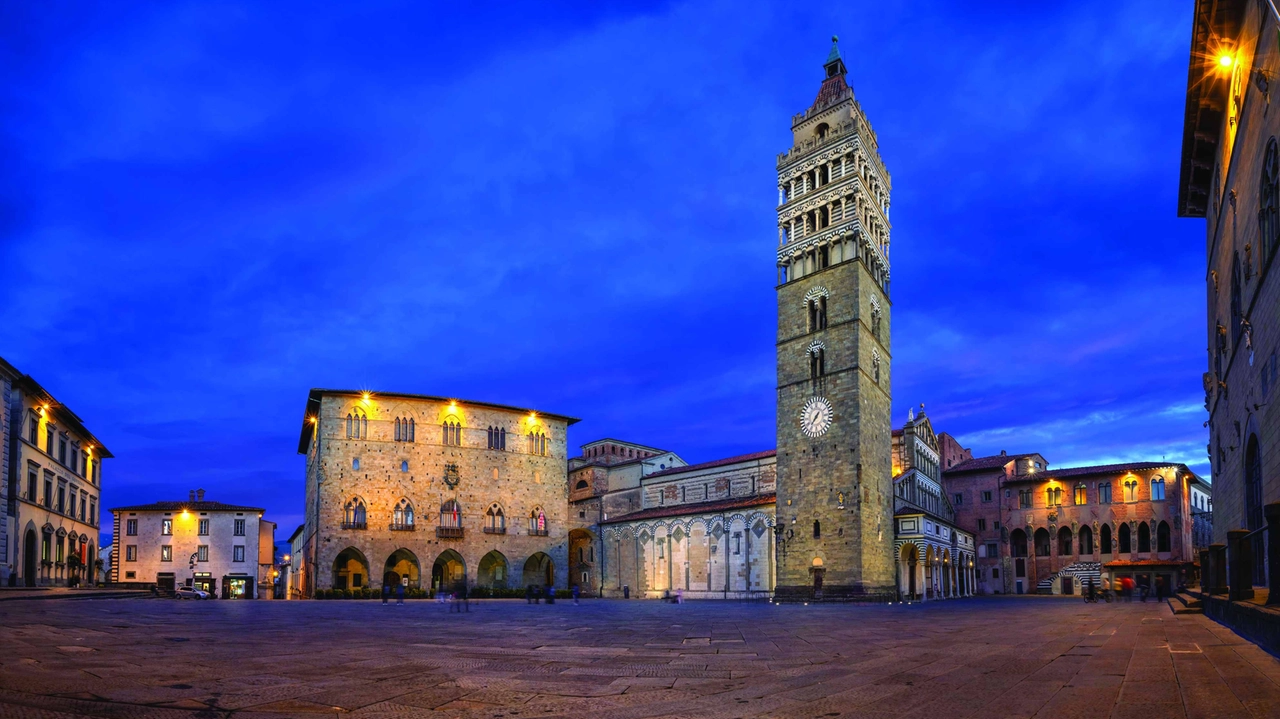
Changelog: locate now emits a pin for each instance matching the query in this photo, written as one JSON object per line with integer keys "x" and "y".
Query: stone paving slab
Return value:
{"x": 645, "y": 660}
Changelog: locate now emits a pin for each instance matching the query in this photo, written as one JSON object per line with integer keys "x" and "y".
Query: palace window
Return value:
{"x": 1053, "y": 497}
{"x": 1131, "y": 490}
{"x": 84, "y": 505}
{"x": 239, "y": 528}
{"x": 1144, "y": 537}
{"x": 982, "y": 525}
{"x": 497, "y": 438}
{"x": 203, "y": 528}
{"x": 237, "y": 553}
{"x": 495, "y": 522}
{"x": 166, "y": 527}
{"x": 1064, "y": 541}
{"x": 202, "y": 553}
{"x": 403, "y": 516}
{"x": 1024, "y": 499}
{"x": 72, "y": 508}
{"x": 357, "y": 424}
{"x": 986, "y": 495}
{"x": 131, "y": 527}
{"x": 993, "y": 550}
{"x": 1081, "y": 495}
{"x": 404, "y": 429}
{"x": 1157, "y": 489}
{"x": 62, "y": 450}
{"x": 959, "y": 499}
{"x": 1162, "y": 537}
{"x": 451, "y": 514}
{"x": 33, "y": 483}
{"x": 130, "y": 552}
{"x": 49, "y": 431}
{"x": 1105, "y": 539}
{"x": 1104, "y": 493}
{"x": 1086, "y": 540}
{"x": 33, "y": 434}
{"x": 353, "y": 516}
{"x": 1269, "y": 204}
{"x": 538, "y": 522}
{"x": 1126, "y": 544}
{"x": 166, "y": 553}
{"x": 817, "y": 529}
{"x": 537, "y": 442}
{"x": 62, "y": 498}
{"x": 48, "y": 490}
{"x": 452, "y": 432}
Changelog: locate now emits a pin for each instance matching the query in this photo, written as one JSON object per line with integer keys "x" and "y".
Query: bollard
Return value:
{"x": 626, "y": 591}
{"x": 1239, "y": 565}
{"x": 1272, "y": 513}
{"x": 1216, "y": 575}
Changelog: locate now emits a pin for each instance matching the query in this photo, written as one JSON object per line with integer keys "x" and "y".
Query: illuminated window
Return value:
{"x": 166, "y": 527}
{"x": 354, "y": 514}
{"x": 237, "y": 553}
{"x": 33, "y": 434}
{"x": 1081, "y": 494}
{"x": 357, "y": 424}
{"x": 452, "y": 432}
{"x": 403, "y": 515}
{"x": 451, "y": 514}
{"x": 166, "y": 553}
{"x": 537, "y": 442}
{"x": 203, "y": 528}
{"x": 1131, "y": 490}
{"x": 404, "y": 429}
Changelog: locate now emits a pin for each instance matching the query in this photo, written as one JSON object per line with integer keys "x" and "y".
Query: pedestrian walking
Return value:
{"x": 1088, "y": 588}
{"x": 679, "y": 595}
{"x": 386, "y": 591}
{"x": 551, "y": 594}
{"x": 400, "y": 590}
{"x": 528, "y": 594}
{"x": 1127, "y": 583}
{"x": 575, "y": 595}
{"x": 1144, "y": 590}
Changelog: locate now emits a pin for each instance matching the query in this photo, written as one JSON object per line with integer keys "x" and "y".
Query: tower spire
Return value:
{"x": 834, "y": 64}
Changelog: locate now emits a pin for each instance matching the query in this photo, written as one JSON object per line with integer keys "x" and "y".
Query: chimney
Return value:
{"x": 192, "y": 496}
{"x": 199, "y": 495}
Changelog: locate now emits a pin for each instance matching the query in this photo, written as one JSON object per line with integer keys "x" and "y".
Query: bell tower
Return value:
{"x": 835, "y": 484}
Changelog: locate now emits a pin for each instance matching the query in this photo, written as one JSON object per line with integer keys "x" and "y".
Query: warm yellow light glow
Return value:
{"x": 275, "y": 573}
{"x": 286, "y": 557}
{"x": 313, "y": 420}
{"x": 453, "y": 406}
{"x": 1225, "y": 60}
{"x": 364, "y": 397}
{"x": 184, "y": 514}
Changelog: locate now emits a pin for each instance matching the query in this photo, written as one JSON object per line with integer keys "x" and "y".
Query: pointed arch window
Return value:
{"x": 1144, "y": 537}
{"x": 353, "y": 516}
{"x": 452, "y": 432}
{"x": 817, "y": 361}
{"x": 1105, "y": 535}
{"x": 405, "y": 429}
{"x": 1131, "y": 490}
{"x": 875, "y": 366}
{"x": 537, "y": 522}
{"x": 495, "y": 522}
{"x": 451, "y": 514}
{"x": 1162, "y": 537}
{"x": 402, "y": 519}
{"x": 1126, "y": 539}
{"x": 357, "y": 424}
{"x": 1157, "y": 489}
{"x": 537, "y": 442}
{"x": 497, "y": 438}
{"x": 1269, "y": 204}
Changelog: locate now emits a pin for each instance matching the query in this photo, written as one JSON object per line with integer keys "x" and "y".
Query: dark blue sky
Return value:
{"x": 205, "y": 210}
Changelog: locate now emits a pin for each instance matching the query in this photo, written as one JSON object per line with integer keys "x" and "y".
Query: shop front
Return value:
{"x": 206, "y": 582}
{"x": 237, "y": 586}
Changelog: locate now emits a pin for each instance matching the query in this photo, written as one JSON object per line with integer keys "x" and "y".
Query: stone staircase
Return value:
{"x": 1082, "y": 571}
{"x": 1185, "y": 603}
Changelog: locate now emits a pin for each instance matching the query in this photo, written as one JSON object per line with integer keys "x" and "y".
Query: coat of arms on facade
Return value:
{"x": 451, "y": 476}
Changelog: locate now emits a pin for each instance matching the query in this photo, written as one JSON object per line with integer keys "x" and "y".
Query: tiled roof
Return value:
{"x": 716, "y": 463}
{"x": 189, "y": 506}
{"x": 676, "y": 510}
{"x": 1147, "y": 563}
{"x": 1101, "y": 469}
{"x": 992, "y": 462}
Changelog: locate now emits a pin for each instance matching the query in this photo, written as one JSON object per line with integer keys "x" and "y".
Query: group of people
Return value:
{"x": 533, "y": 594}
{"x": 1123, "y": 588}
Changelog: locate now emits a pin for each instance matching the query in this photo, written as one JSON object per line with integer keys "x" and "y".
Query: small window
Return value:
{"x": 130, "y": 575}
{"x": 993, "y": 550}
{"x": 982, "y": 525}
{"x": 204, "y": 528}
{"x": 959, "y": 499}
{"x": 995, "y": 573}
{"x": 131, "y": 527}
{"x": 166, "y": 527}
{"x": 355, "y": 463}
{"x": 237, "y": 553}
{"x": 1157, "y": 489}
{"x": 239, "y": 528}
{"x": 1104, "y": 493}
{"x": 131, "y": 553}
{"x": 817, "y": 529}
{"x": 202, "y": 553}
{"x": 166, "y": 553}
{"x": 986, "y": 495}
{"x": 404, "y": 465}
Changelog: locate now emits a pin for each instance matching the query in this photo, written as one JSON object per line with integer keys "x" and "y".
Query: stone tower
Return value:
{"x": 835, "y": 484}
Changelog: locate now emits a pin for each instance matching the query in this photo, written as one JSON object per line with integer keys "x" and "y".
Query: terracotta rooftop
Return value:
{"x": 676, "y": 510}
{"x": 980, "y": 463}
{"x": 189, "y": 506}
{"x": 716, "y": 463}
{"x": 1101, "y": 469}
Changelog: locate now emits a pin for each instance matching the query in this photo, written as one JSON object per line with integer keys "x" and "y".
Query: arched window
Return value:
{"x": 495, "y": 522}
{"x": 818, "y": 313}
{"x": 404, "y": 429}
{"x": 1085, "y": 541}
{"x": 355, "y": 463}
{"x": 1106, "y": 539}
{"x": 452, "y": 432}
{"x": 1081, "y": 495}
{"x": 1064, "y": 541}
{"x": 357, "y": 424}
{"x": 817, "y": 362}
{"x": 1126, "y": 544}
{"x": 403, "y": 517}
{"x": 1053, "y": 497}
{"x": 582, "y": 484}
{"x": 875, "y": 322}
{"x": 1144, "y": 537}
{"x": 1042, "y": 542}
{"x": 1018, "y": 543}
{"x": 1131, "y": 490}
{"x": 450, "y": 514}
{"x": 538, "y": 522}
{"x": 404, "y": 465}
{"x": 1157, "y": 489}
{"x": 1162, "y": 537}
{"x": 353, "y": 514}
{"x": 1269, "y": 204}
{"x": 817, "y": 529}
{"x": 537, "y": 442}
{"x": 875, "y": 365}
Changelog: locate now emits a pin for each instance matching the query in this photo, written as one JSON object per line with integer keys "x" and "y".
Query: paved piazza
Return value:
{"x": 995, "y": 657}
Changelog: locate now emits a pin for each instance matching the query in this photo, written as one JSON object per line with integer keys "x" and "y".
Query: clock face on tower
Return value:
{"x": 815, "y": 418}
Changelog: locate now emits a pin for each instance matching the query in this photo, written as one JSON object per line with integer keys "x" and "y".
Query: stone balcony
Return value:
{"x": 449, "y": 533}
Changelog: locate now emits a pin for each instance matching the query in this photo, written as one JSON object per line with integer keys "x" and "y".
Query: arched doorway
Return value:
{"x": 29, "y": 558}
{"x": 402, "y": 563}
{"x": 539, "y": 571}
{"x": 492, "y": 571}
{"x": 350, "y": 569}
{"x": 1041, "y": 538}
{"x": 910, "y": 565}
{"x": 448, "y": 572}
